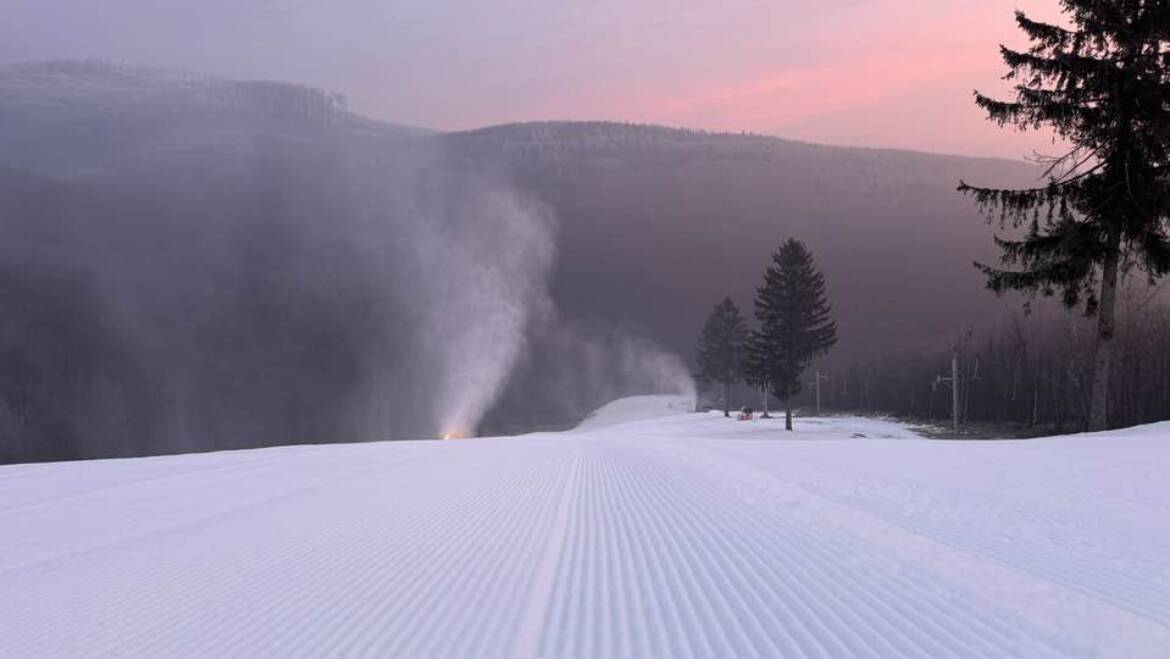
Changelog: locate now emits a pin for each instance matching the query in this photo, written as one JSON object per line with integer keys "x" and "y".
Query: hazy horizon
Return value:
{"x": 876, "y": 73}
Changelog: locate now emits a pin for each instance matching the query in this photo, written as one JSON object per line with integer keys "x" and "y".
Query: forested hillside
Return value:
{"x": 288, "y": 231}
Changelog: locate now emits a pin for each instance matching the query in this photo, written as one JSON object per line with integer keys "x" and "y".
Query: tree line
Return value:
{"x": 1024, "y": 374}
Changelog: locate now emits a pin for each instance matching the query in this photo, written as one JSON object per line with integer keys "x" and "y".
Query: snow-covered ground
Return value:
{"x": 651, "y": 531}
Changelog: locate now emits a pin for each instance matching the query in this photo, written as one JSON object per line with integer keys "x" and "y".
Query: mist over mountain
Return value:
{"x": 661, "y": 223}
{"x": 657, "y": 225}
{"x": 192, "y": 263}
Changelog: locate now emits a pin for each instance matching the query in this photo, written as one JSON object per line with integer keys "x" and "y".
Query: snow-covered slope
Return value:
{"x": 686, "y": 534}
{"x": 636, "y": 408}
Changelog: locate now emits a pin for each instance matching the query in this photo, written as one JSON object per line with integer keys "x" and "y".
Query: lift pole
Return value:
{"x": 955, "y": 390}
{"x": 817, "y": 383}
{"x": 953, "y": 380}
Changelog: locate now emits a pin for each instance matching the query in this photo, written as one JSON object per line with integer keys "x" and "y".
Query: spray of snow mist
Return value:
{"x": 492, "y": 256}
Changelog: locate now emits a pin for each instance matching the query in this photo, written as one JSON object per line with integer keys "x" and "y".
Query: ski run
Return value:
{"x": 648, "y": 531}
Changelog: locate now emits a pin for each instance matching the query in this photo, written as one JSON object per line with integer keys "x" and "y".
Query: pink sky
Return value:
{"x": 885, "y": 73}
{"x": 893, "y": 73}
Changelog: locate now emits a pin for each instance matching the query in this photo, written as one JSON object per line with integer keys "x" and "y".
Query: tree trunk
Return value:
{"x": 1103, "y": 357}
{"x": 788, "y": 414}
{"x": 765, "y": 414}
{"x": 726, "y": 408}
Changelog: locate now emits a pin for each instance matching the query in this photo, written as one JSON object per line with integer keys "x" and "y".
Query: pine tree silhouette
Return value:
{"x": 1102, "y": 84}
{"x": 795, "y": 326}
{"x": 721, "y": 348}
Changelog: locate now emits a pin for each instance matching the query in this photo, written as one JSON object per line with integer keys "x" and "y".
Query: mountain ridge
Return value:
{"x": 700, "y": 135}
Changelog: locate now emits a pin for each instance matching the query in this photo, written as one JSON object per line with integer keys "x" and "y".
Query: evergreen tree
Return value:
{"x": 795, "y": 327}
{"x": 721, "y": 348}
{"x": 1103, "y": 85}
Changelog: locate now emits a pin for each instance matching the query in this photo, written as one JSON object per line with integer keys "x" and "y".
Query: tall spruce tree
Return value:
{"x": 794, "y": 324}
{"x": 721, "y": 348}
{"x": 1103, "y": 85}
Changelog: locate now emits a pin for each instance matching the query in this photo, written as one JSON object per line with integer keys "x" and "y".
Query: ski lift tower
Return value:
{"x": 953, "y": 381}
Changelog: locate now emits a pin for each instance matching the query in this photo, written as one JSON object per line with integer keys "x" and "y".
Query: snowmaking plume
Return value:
{"x": 484, "y": 256}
